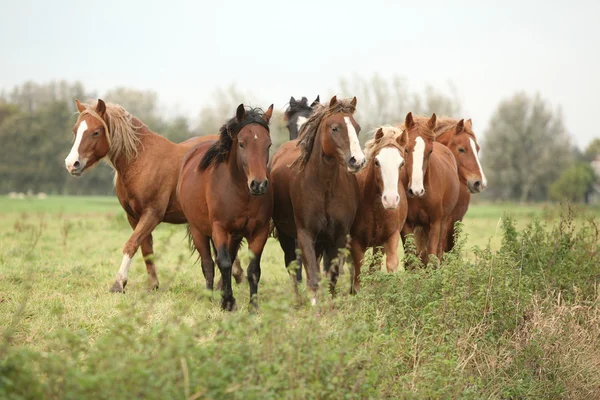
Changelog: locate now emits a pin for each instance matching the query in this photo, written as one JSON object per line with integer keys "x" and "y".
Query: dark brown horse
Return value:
{"x": 383, "y": 205}
{"x": 458, "y": 136}
{"x": 431, "y": 179}
{"x": 315, "y": 190}
{"x": 146, "y": 166}
{"x": 297, "y": 113}
{"x": 225, "y": 195}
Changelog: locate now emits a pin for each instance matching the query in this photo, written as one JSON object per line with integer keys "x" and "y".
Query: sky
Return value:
{"x": 185, "y": 51}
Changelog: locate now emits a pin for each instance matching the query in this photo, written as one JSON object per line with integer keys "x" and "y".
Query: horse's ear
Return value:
{"x": 379, "y": 134}
{"x": 317, "y": 101}
{"x": 80, "y": 106}
{"x": 304, "y": 100}
{"x": 409, "y": 122}
{"x": 101, "y": 108}
{"x": 268, "y": 114}
{"x": 292, "y": 100}
{"x": 402, "y": 139}
{"x": 240, "y": 113}
{"x": 333, "y": 101}
{"x": 353, "y": 102}
{"x": 469, "y": 124}
{"x": 460, "y": 126}
{"x": 432, "y": 122}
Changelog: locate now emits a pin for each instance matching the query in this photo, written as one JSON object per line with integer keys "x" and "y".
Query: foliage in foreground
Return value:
{"x": 521, "y": 322}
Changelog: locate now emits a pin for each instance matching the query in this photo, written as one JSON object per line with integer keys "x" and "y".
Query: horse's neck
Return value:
{"x": 320, "y": 165}
{"x": 148, "y": 141}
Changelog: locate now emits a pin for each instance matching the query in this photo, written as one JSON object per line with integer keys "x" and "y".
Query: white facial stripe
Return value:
{"x": 389, "y": 163}
{"x": 417, "y": 167}
{"x": 299, "y": 122}
{"x": 474, "y": 148}
{"x": 74, "y": 154}
{"x": 355, "y": 150}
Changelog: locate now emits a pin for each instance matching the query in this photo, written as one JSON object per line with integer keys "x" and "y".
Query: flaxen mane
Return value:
{"x": 298, "y": 106}
{"x": 309, "y": 130}
{"x": 390, "y": 133}
{"x": 446, "y": 124}
{"x": 217, "y": 153}
{"x": 120, "y": 128}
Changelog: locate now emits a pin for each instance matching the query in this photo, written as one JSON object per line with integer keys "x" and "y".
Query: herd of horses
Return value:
{"x": 319, "y": 189}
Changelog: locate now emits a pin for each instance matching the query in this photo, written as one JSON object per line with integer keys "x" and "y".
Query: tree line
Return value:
{"x": 527, "y": 151}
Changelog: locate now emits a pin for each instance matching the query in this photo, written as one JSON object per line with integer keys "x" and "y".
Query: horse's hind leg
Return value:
{"x": 289, "y": 245}
{"x": 142, "y": 229}
{"x": 148, "y": 253}
{"x": 202, "y": 244}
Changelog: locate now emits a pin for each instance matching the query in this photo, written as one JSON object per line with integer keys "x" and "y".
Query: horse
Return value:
{"x": 382, "y": 207}
{"x": 458, "y": 136}
{"x": 146, "y": 168}
{"x": 315, "y": 189}
{"x": 225, "y": 195}
{"x": 297, "y": 113}
{"x": 431, "y": 179}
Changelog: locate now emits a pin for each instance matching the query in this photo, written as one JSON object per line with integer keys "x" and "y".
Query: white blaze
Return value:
{"x": 474, "y": 148}
{"x": 74, "y": 154}
{"x": 299, "y": 122}
{"x": 389, "y": 163}
{"x": 417, "y": 167}
{"x": 355, "y": 150}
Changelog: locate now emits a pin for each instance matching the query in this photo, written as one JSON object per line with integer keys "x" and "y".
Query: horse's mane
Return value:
{"x": 217, "y": 153}
{"x": 121, "y": 130}
{"x": 309, "y": 130}
{"x": 373, "y": 146}
{"x": 421, "y": 126}
{"x": 298, "y": 106}
{"x": 446, "y": 124}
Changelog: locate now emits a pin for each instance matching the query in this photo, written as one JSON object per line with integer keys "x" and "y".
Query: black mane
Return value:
{"x": 217, "y": 153}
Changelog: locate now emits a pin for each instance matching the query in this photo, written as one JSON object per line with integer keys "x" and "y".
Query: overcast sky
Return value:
{"x": 273, "y": 49}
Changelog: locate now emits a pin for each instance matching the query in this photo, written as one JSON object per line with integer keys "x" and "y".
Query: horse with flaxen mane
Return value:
{"x": 146, "y": 166}
{"x": 297, "y": 113}
{"x": 225, "y": 195}
{"x": 431, "y": 179}
{"x": 315, "y": 190}
{"x": 459, "y": 137}
{"x": 383, "y": 206}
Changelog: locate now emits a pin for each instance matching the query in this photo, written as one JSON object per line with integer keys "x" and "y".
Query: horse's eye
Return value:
{"x": 241, "y": 145}
{"x": 377, "y": 163}
{"x": 95, "y": 134}
{"x": 461, "y": 150}
{"x": 401, "y": 165}
{"x": 430, "y": 151}
{"x": 335, "y": 129}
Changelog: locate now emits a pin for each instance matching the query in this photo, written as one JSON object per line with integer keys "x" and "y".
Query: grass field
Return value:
{"x": 404, "y": 336}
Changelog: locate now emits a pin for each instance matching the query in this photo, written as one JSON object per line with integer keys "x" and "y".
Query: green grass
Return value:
{"x": 489, "y": 324}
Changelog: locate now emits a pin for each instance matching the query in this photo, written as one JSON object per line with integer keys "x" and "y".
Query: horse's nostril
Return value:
{"x": 352, "y": 160}
{"x": 76, "y": 164}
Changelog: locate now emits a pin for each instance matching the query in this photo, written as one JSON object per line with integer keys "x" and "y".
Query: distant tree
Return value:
{"x": 525, "y": 149}
{"x": 592, "y": 150}
{"x": 574, "y": 183}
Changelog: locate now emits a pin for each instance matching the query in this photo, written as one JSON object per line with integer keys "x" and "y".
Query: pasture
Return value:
{"x": 512, "y": 313}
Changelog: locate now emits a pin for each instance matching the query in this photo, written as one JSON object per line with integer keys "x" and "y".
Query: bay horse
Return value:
{"x": 297, "y": 113}
{"x": 383, "y": 206}
{"x": 459, "y": 137}
{"x": 225, "y": 196}
{"x": 315, "y": 190}
{"x": 431, "y": 179}
{"x": 146, "y": 169}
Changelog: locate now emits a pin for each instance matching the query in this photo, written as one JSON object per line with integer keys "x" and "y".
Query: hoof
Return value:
{"x": 118, "y": 288}
{"x": 253, "y": 304}
{"x": 228, "y": 304}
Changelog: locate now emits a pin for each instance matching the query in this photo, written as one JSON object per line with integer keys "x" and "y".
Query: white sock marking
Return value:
{"x": 124, "y": 270}
{"x": 474, "y": 148}
{"x": 74, "y": 154}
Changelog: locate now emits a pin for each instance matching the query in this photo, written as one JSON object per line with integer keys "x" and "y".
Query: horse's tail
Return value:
{"x": 190, "y": 241}
{"x": 420, "y": 241}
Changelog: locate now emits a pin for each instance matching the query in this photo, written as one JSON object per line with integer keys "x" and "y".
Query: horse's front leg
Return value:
{"x": 391, "y": 252}
{"x": 142, "y": 230}
{"x": 256, "y": 244}
{"x": 222, "y": 239}
{"x": 148, "y": 254}
{"x": 358, "y": 253}
{"x": 306, "y": 243}
{"x": 433, "y": 239}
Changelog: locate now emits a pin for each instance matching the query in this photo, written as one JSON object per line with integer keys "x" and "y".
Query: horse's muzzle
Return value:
{"x": 258, "y": 188}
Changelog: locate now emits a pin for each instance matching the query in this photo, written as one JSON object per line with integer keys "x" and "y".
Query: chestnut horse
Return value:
{"x": 297, "y": 113}
{"x": 431, "y": 179}
{"x": 315, "y": 191}
{"x": 383, "y": 205}
{"x": 146, "y": 166}
{"x": 225, "y": 196}
{"x": 458, "y": 136}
